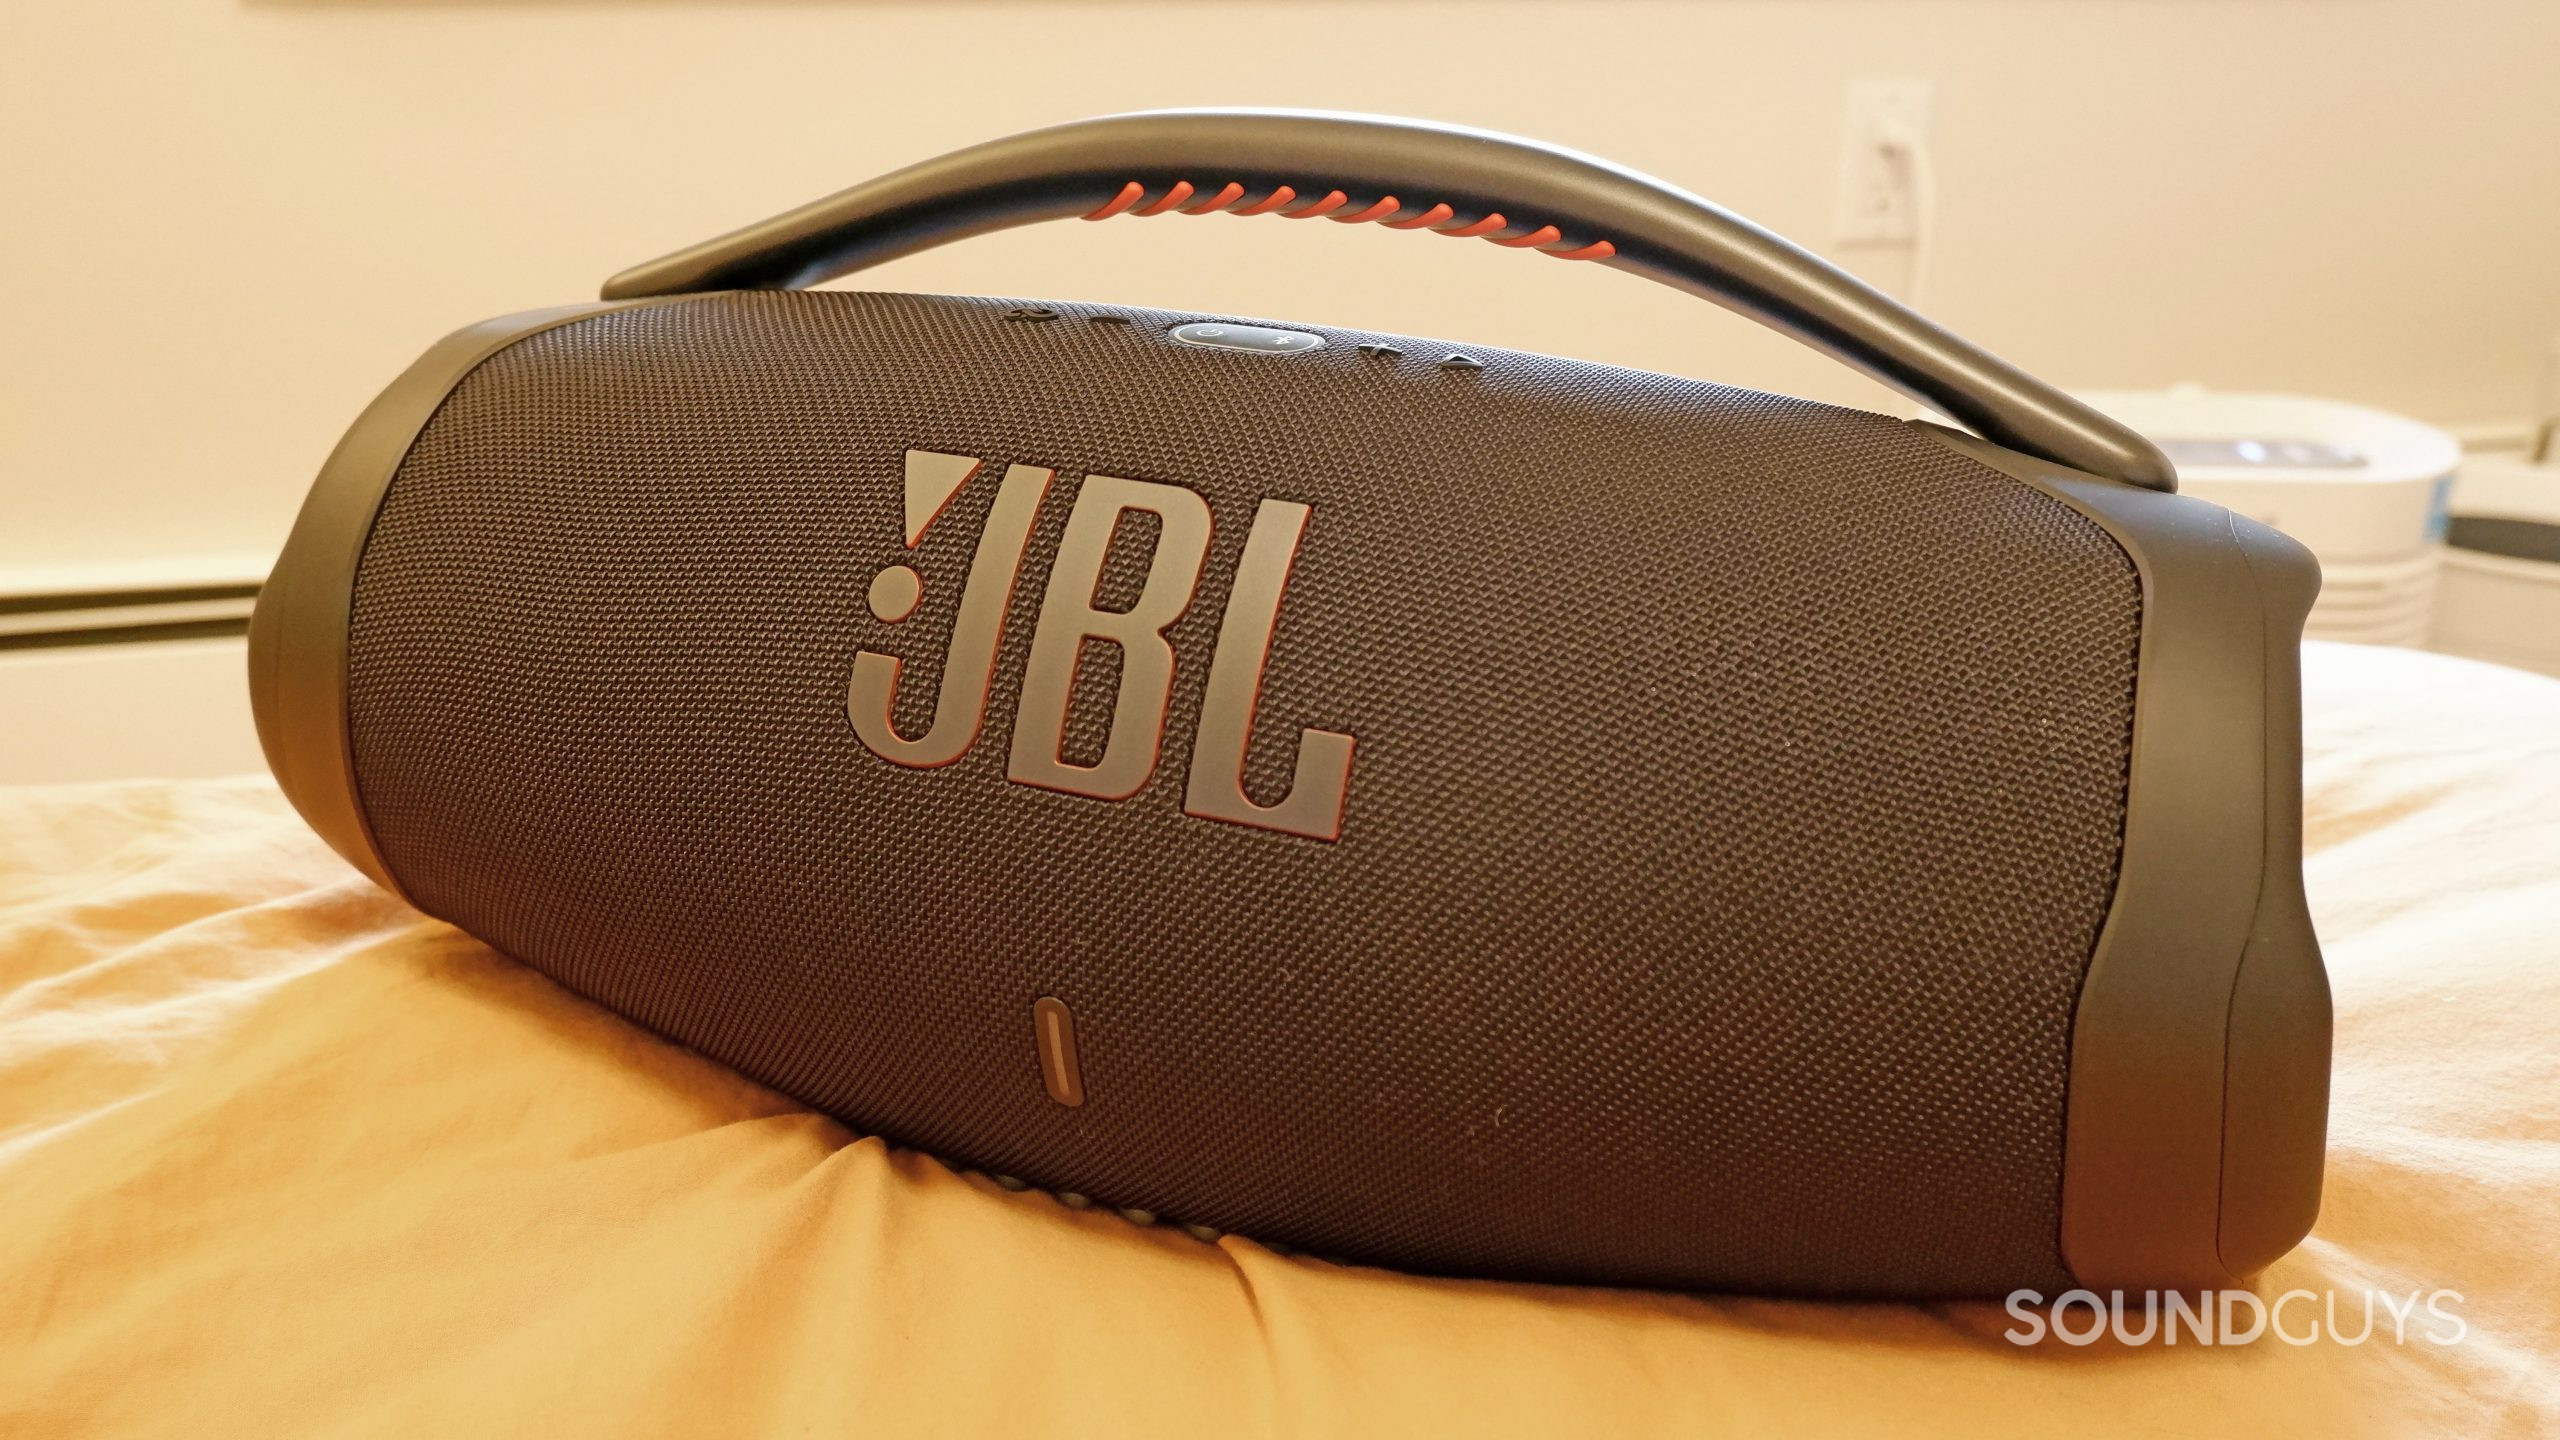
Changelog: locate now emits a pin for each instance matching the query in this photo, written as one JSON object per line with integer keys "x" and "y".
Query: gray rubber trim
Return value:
{"x": 1658, "y": 231}
{"x": 298, "y": 634}
{"x": 2275, "y": 1104}
{"x": 2198, "y": 1109}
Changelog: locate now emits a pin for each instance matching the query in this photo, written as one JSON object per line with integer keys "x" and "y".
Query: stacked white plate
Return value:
{"x": 2499, "y": 598}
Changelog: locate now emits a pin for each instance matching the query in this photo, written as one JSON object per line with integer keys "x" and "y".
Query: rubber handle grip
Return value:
{"x": 1652, "y": 229}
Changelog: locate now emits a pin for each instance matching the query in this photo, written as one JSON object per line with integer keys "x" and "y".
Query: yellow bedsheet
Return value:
{"x": 279, "y": 1156}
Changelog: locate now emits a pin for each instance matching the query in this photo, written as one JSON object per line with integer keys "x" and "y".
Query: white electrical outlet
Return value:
{"x": 1883, "y": 151}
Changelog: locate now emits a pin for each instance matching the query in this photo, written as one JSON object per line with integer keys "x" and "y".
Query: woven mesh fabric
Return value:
{"x": 1736, "y": 802}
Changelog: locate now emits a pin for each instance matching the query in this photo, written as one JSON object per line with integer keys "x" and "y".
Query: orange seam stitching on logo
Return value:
{"x": 1004, "y": 617}
{"x": 1252, "y": 814}
{"x": 1543, "y": 235}
{"x": 1387, "y": 206}
{"x": 977, "y": 467}
{"x": 1485, "y": 226}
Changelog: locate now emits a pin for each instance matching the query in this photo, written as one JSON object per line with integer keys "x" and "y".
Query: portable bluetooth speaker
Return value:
{"x": 1423, "y": 804}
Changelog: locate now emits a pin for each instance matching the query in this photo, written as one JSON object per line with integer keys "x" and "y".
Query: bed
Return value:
{"x": 279, "y": 1156}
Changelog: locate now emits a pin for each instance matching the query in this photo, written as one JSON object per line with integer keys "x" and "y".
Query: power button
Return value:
{"x": 1220, "y": 335}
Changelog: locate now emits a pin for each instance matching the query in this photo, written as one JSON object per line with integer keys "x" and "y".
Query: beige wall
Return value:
{"x": 227, "y": 225}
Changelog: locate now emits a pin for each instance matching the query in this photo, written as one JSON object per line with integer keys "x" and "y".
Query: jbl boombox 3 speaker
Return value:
{"x": 1418, "y": 804}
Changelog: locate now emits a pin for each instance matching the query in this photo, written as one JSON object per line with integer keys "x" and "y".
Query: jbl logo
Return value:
{"x": 1069, "y": 622}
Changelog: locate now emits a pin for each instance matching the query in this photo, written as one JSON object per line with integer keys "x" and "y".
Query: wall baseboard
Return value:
{"x": 121, "y": 602}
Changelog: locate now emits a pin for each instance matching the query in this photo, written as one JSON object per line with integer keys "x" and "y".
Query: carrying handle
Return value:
{"x": 1411, "y": 175}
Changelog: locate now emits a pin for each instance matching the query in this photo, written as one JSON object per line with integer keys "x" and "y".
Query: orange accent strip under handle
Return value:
{"x": 1435, "y": 218}
{"x": 1678, "y": 239}
{"x": 1332, "y": 201}
{"x": 1485, "y": 226}
{"x": 1130, "y": 194}
{"x": 1436, "y": 215}
{"x": 1596, "y": 250}
{"x": 1267, "y": 204}
{"x": 1217, "y": 202}
{"x": 1180, "y": 192}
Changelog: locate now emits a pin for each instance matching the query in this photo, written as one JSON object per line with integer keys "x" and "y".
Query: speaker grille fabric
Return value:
{"x": 1736, "y": 803}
